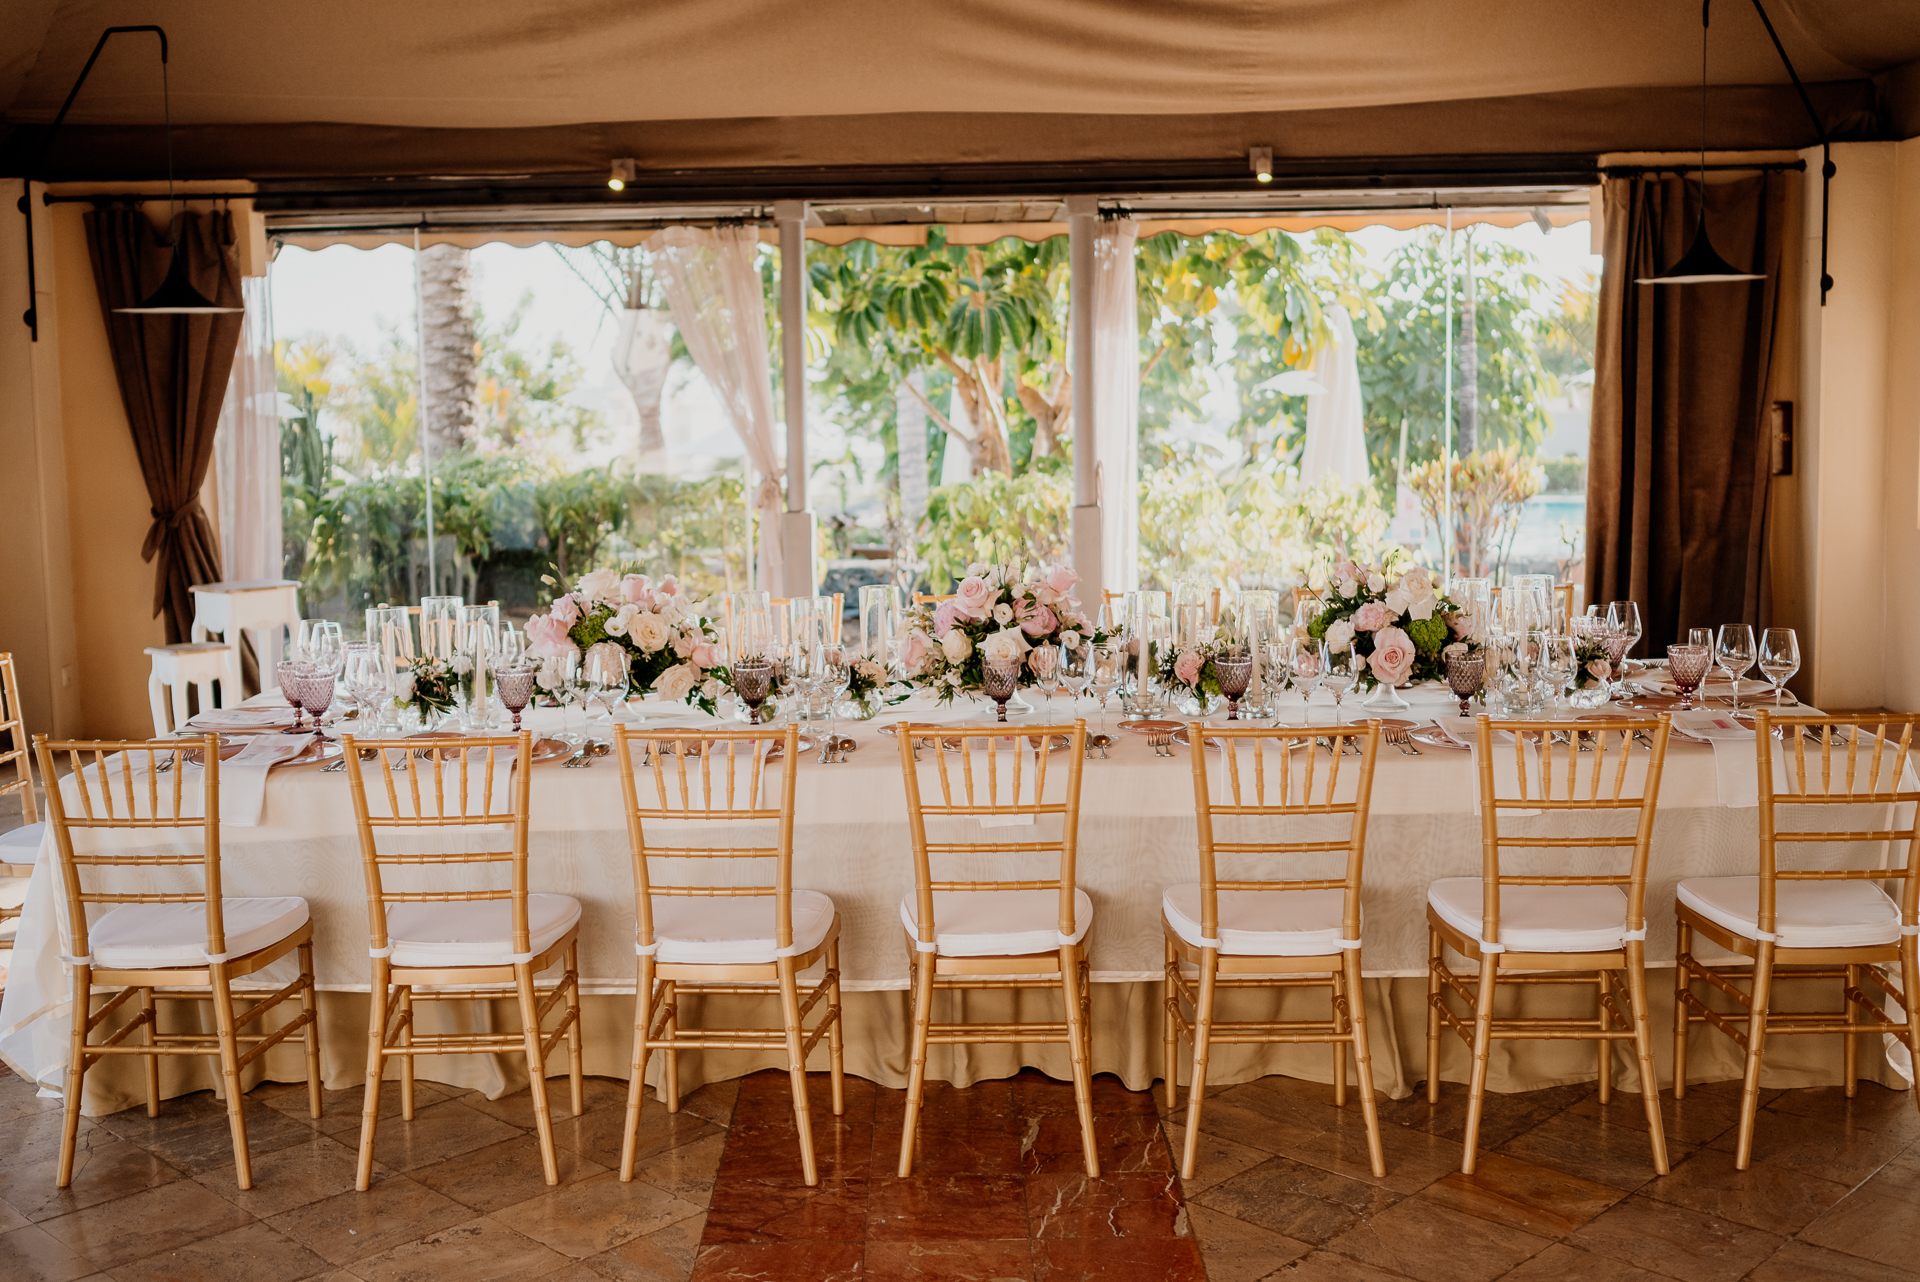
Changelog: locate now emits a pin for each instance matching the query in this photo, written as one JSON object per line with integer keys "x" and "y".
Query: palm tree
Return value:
{"x": 451, "y": 348}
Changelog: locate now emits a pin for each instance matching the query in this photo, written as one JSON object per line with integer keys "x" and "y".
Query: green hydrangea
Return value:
{"x": 591, "y": 629}
{"x": 1428, "y": 635}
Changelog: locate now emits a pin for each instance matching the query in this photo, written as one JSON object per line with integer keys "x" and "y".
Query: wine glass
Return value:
{"x": 1779, "y": 657}
{"x": 569, "y": 687}
{"x": 1557, "y": 664}
{"x": 366, "y": 678}
{"x": 1305, "y": 664}
{"x": 1623, "y": 617}
{"x": 1076, "y": 670}
{"x": 513, "y": 676}
{"x": 1687, "y": 665}
{"x": 315, "y": 687}
{"x": 1465, "y": 673}
{"x": 1044, "y": 662}
{"x": 1104, "y": 678}
{"x": 831, "y": 680}
{"x": 511, "y": 642}
{"x": 1233, "y": 668}
{"x": 1000, "y": 677}
{"x": 287, "y": 673}
{"x": 752, "y": 677}
{"x": 606, "y": 679}
{"x": 1337, "y": 673}
{"x": 1733, "y": 654}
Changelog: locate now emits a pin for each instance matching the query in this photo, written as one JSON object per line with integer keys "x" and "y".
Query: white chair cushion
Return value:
{"x": 998, "y": 923}
{"x": 21, "y": 845}
{"x": 1537, "y": 919}
{"x": 1261, "y": 923}
{"x": 154, "y": 936}
{"x": 476, "y": 932}
{"x": 734, "y": 931}
{"x": 1807, "y": 914}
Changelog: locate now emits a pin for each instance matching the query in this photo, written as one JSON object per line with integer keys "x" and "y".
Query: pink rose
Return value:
{"x": 1040, "y": 622}
{"x": 705, "y": 654}
{"x": 635, "y": 587}
{"x": 974, "y": 598}
{"x": 945, "y": 615}
{"x": 1393, "y": 656}
{"x": 567, "y": 610}
{"x": 1372, "y": 616}
{"x": 1187, "y": 667}
{"x": 670, "y": 585}
{"x": 547, "y": 637}
{"x": 683, "y": 644}
{"x": 1600, "y": 670}
{"x": 1061, "y": 579}
{"x": 914, "y": 651}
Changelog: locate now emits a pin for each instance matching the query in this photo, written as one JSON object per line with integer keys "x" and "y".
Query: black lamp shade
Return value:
{"x": 1700, "y": 265}
{"x": 177, "y": 296}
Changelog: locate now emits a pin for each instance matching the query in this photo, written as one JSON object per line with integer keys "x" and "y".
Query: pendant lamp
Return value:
{"x": 1701, "y": 264}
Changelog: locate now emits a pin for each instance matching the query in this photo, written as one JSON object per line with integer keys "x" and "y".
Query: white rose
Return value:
{"x": 1359, "y": 664}
{"x": 601, "y": 585}
{"x": 1349, "y": 588}
{"x": 1004, "y": 644}
{"x": 648, "y": 631}
{"x": 621, "y": 620}
{"x": 1423, "y": 606}
{"x": 956, "y": 646}
{"x": 1340, "y": 636}
{"x": 1003, "y": 614}
{"x": 977, "y": 569}
{"x": 1069, "y": 640}
{"x": 1376, "y": 582}
{"x": 677, "y": 681}
{"x": 712, "y": 688}
{"x": 1397, "y": 600}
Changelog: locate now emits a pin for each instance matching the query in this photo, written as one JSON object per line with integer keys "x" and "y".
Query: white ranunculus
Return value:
{"x": 1004, "y": 644}
{"x": 648, "y": 631}
{"x": 1003, "y": 614}
{"x": 1340, "y": 636}
{"x": 1376, "y": 582}
{"x": 956, "y": 646}
{"x": 601, "y": 585}
{"x": 1069, "y": 640}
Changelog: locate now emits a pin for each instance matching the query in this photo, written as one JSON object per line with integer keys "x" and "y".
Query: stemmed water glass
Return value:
{"x": 315, "y": 688}
{"x": 1465, "y": 674}
{"x": 1233, "y": 667}
{"x": 1733, "y": 654}
{"x": 1779, "y": 657}
{"x": 1557, "y": 662}
{"x": 1337, "y": 673}
{"x": 1000, "y": 677}
{"x": 1307, "y": 668}
{"x": 514, "y": 675}
{"x": 1622, "y": 633}
{"x": 366, "y": 677}
{"x": 752, "y": 677}
{"x": 1687, "y": 665}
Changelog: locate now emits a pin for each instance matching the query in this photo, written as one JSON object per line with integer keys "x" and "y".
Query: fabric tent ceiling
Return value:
{"x": 483, "y": 87}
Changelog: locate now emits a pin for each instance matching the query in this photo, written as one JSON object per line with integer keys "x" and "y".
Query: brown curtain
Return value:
{"x": 1678, "y": 469}
{"x": 173, "y": 375}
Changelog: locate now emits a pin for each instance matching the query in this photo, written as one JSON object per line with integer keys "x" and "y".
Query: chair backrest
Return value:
{"x": 1832, "y": 761}
{"x": 1619, "y": 772}
{"x": 1301, "y": 595}
{"x": 690, "y": 784}
{"x": 17, "y": 751}
{"x": 1266, "y": 773}
{"x": 471, "y": 786}
{"x": 134, "y": 784}
{"x": 929, "y": 598}
{"x": 994, "y": 776}
{"x": 839, "y": 598}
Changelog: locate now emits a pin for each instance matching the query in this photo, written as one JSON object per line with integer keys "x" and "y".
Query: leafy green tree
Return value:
{"x": 523, "y": 390}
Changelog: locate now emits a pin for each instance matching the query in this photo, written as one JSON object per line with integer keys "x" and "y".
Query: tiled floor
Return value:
{"x": 1565, "y": 1190}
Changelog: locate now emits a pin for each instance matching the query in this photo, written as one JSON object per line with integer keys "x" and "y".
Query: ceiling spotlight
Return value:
{"x": 1540, "y": 220}
{"x": 624, "y": 172}
{"x": 1260, "y": 160}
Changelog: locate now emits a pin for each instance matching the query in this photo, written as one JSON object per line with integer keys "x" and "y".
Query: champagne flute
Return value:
{"x": 1305, "y": 664}
{"x": 1733, "y": 654}
{"x": 1779, "y": 657}
{"x": 568, "y": 681}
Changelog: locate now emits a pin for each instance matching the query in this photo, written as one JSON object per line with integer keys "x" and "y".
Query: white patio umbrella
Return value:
{"x": 1336, "y": 426}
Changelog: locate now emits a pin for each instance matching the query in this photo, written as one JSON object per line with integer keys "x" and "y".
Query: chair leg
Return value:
{"x": 1643, "y": 1048}
{"x": 151, "y": 1063}
{"x": 1170, "y": 1031}
{"x": 1910, "y": 999}
{"x": 1482, "y": 1044}
{"x": 1434, "y": 962}
{"x": 917, "y": 1066}
{"x": 76, "y": 1072}
{"x": 1073, "y": 988}
{"x": 1603, "y": 988}
{"x": 644, "y": 1006}
{"x": 797, "y": 1071}
{"x": 230, "y": 1074}
{"x": 1682, "y": 1017}
{"x": 1756, "y": 1045}
{"x": 1849, "y": 1043}
{"x": 836, "y": 1033}
{"x": 376, "y": 1069}
{"x": 576, "y": 1067}
{"x": 1363, "y": 1060}
{"x": 670, "y": 994}
{"x": 1340, "y": 1026}
{"x": 536, "y": 1068}
{"x": 310, "y": 1007}
{"x": 406, "y": 1061}
{"x": 1202, "y": 1051}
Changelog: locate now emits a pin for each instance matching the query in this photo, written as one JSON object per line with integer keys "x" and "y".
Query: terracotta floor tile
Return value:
{"x": 946, "y": 1148}
{"x": 767, "y": 1098}
{"x": 140, "y": 1224}
{"x": 1764, "y": 1196}
{"x": 1116, "y": 1260}
{"x": 1804, "y": 1262}
{"x": 771, "y": 1151}
{"x": 1236, "y": 1251}
{"x": 1431, "y": 1242}
{"x": 1110, "y": 1206}
{"x": 479, "y": 1250}
{"x": 1010, "y": 1261}
{"x": 436, "y": 1133}
{"x": 664, "y": 1255}
{"x": 31, "y": 1254}
{"x": 780, "y": 1262}
{"x": 350, "y": 1226}
{"x": 1561, "y": 1263}
{"x": 101, "y": 1173}
{"x": 1296, "y": 1200}
{"x": 1523, "y": 1196}
{"x": 1872, "y": 1227}
{"x": 983, "y": 1106}
{"x": 715, "y": 1101}
{"x": 1831, "y": 1150}
{"x": 1216, "y": 1158}
{"x": 254, "y": 1251}
{"x": 1035, "y": 1092}
{"x": 1331, "y": 1138}
{"x": 504, "y": 1174}
{"x": 1677, "y": 1242}
{"x": 1594, "y": 1149}
{"x": 591, "y": 1216}
{"x": 835, "y": 1210}
{"x": 951, "y": 1207}
{"x": 289, "y": 1177}
{"x": 1126, "y": 1144}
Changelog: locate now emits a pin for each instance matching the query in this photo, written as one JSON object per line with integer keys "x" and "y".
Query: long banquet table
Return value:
{"x": 1137, "y": 836}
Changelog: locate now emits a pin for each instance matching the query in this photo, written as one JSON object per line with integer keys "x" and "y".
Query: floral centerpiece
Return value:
{"x": 1190, "y": 669}
{"x": 669, "y": 646}
{"x": 432, "y": 690}
{"x": 1397, "y": 623}
{"x": 870, "y": 685}
{"x": 996, "y": 613}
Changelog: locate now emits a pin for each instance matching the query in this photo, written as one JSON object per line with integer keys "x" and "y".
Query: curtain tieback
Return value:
{"x": 166, "y": 521}
{"x": 769, "y": 494}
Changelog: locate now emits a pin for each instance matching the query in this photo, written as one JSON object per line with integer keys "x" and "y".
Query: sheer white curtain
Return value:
{"x": 246, "y": 450}
{"x": 713, "y": 290}
{"x": 1116, "y": 429}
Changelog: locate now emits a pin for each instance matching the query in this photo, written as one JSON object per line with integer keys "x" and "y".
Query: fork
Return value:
{"x": 1162, "y": 744}
{"x": 1399, "y": 738}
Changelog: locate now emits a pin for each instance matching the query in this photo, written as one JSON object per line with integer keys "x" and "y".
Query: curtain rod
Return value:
{"x": 1768, "y": 166}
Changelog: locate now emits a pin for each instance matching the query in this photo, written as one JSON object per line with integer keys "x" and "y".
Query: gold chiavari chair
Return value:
{"x": 1276, "y": 932}
{"x": 1301, "y": 595}
{"x": 731, "y": 935}
{"x": 18, "y": 846}
{"x": 429, "y": 943}
{"x": 839, "y": 598}
{"x": 1811, "y": 923}
{"x": 1563, "y": 927}
{"x": 160, "y": 945}
{"x": 996, "y": 932}
{"x": 929, "y": 598}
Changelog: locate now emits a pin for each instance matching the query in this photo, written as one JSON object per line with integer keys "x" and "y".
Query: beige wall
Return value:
{"x": 1900, "y": 633}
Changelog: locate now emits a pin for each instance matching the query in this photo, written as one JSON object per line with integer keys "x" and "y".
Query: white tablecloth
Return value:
{"x": 1137, "y": 836}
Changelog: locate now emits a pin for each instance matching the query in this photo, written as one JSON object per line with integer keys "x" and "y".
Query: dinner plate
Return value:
{"x": 1180, "y": 736}
{"x": 1152, "y": 727}
{"x": 1651, "y": 703}
{"x": 1433, "y": 738}
{"x": 320, "y": 750}
{"x": 550, "y": 750}
{"x": 696, "y": 744}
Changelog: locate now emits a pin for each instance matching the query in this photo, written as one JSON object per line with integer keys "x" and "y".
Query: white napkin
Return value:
{"x": 498, "y": 802}
{"x": 1662, "y": 684}
{"x": 1736, "y": 768}
{"x": 243, "y": 776}
{"x": 241, "y": 718}
{"x": 1002, "y": 791}
{"x": 1506, "y": 771}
